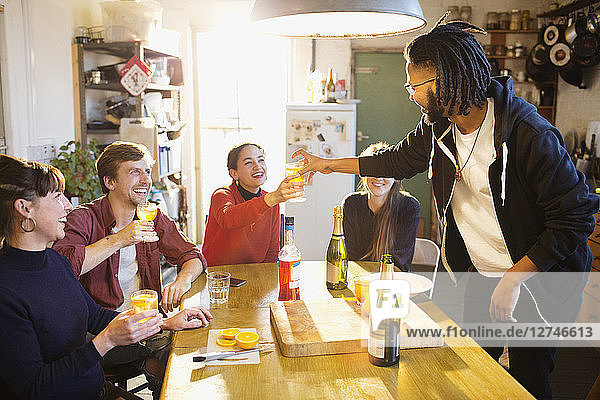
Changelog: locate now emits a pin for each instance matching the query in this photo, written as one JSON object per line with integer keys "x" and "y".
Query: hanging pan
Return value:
{"x": 539, "y": 54}
{"x": 560, "y": 54}
{"x": 551, "y": 34}
{"x": 586, "y": 49}
{"x": 539, "y": 73}
{"x": 572, "y": 73}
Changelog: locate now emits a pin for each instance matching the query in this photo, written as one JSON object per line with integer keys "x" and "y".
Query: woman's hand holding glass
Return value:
{"x": 127, "y": 328}
{"x": 288, "y": 189}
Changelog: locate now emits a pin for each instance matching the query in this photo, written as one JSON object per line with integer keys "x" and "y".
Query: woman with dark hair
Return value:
{"x": 44, "y": 312}
{"x": 243, "y": 220}
{"x": 381, "y": 218}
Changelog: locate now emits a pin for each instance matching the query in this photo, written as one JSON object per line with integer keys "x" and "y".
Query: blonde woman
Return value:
{"x": 381, "y": 218}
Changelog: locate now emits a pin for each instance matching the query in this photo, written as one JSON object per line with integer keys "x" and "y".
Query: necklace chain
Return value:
{"x": 458, "y": 174}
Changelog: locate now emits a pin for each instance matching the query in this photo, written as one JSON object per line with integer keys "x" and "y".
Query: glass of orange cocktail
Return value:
{"x": 292, "y": 169}
{"x": 142, "y": 300}
{"x": 146, "y": 211}
{"x": 361, "y": 288}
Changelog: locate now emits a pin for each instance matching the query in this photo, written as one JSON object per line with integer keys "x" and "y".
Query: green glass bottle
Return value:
{"x": 337, "y": 258}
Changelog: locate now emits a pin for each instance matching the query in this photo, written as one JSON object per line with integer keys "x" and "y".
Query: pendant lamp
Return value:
{"x": 337, "y": 18}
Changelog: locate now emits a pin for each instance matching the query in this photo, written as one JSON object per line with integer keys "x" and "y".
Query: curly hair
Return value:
{"x": 463, "y": 72}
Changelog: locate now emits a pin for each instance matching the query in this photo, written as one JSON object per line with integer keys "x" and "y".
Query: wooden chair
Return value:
{"x": 118, "y": 376}
{"x": 427, "y": 253}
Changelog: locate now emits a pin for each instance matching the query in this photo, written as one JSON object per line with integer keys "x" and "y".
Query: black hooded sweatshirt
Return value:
{"x": 542, "y": 204}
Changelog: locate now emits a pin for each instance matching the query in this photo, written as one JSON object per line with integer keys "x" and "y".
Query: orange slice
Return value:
{"x": 225, "y": 342}
{"x": 246, "y": 340}
{"x": 230, "y": 333}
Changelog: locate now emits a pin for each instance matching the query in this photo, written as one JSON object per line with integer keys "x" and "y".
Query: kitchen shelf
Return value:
{"x": 164, "y": 143}
{"x": 527, "y": 31}
{"x": 117, "y": 87}
{"x": 568, "y": 8}
{"x": 498, "y": 38}
{"x": 506, "y": 58}
{"x": 103, "y": 131}
{"x": 126, "y": 49}
{"x": 162, "y": 88}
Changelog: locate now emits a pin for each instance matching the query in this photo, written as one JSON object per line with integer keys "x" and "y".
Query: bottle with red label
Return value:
{"x": 289, "y": 265}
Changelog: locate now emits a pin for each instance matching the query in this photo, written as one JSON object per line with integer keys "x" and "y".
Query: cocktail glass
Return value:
{"x": 292, "y": 169}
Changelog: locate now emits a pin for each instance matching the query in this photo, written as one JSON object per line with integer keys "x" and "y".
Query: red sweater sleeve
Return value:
{"x": 234, "y": 216}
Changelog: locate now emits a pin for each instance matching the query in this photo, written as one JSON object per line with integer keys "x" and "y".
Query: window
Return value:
{"x": 242, "y": 94}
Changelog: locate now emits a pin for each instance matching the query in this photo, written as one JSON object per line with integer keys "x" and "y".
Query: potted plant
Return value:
{"x": 77, "y": 163}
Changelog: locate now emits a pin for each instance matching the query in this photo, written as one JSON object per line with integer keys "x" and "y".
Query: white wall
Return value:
{"x": 337, "y": 53}
{"x": 577, "y": 107}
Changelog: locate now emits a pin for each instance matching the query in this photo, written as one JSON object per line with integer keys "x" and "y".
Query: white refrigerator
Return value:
{"x": 329, "y": 130}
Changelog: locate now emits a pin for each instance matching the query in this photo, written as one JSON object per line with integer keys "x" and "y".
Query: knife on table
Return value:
{"x": 218, "y": 355}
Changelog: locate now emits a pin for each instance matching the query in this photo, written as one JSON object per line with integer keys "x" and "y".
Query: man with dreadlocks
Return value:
{"x": 509, "y": 198}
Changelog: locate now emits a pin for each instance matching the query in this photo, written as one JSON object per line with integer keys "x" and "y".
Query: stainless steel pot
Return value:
{"x": 593, "y": 21}
{"x": 576, "y": 27}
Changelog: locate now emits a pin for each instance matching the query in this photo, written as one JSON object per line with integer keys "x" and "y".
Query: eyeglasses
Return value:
{"x": 412, "y": 88}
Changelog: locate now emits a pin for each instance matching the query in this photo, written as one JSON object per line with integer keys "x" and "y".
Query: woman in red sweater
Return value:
{"x": 243, "y": 221}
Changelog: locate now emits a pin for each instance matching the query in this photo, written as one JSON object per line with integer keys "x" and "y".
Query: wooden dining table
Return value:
{"x": 458, "y": 370}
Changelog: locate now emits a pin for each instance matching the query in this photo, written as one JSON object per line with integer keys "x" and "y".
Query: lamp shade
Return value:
{"x": 337, "y": 18}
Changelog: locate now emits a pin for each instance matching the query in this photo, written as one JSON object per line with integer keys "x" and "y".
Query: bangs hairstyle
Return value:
{"x": 28, "y": 180}
{"x": 463, "y": 72}
{"x": 234, "y": 154}
{"x": 116, "y": 153}
{"x": 385, "y": 228}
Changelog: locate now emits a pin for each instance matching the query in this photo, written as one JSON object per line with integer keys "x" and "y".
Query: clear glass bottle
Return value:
{"x": 492, "y": 21}
{"x": 525, "y": 20}
{"x": 515, "y": 20}
{"x": 289, "y": 265}
{"x": 504, "y": 20}
{"x": 454, "y": 14}
{"x": 465, "y": 13}
{"x": 337, "y": 257}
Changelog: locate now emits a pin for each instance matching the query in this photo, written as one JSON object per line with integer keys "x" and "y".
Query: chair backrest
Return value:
{"x": 426, "y": 252}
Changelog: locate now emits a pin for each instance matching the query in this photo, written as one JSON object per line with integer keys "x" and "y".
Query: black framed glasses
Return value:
{"x": 412, "y": 88}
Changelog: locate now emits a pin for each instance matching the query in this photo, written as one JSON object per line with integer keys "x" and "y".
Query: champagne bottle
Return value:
{"x": 289, "y": 265}
{"x": 383, "y": 340}
{"x": 386, "y": 267}
{"x": 330, "y": 87}
{"x": 337, "y": 258}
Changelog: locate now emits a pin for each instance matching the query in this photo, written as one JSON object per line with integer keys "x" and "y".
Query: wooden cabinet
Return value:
{"x": 528, "y": 39}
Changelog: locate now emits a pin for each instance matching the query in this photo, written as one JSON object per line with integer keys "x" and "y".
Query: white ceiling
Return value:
{"x": 204, "y": 13}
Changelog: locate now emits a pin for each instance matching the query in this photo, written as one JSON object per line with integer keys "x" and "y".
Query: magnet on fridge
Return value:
{"x": 327, "y": 150}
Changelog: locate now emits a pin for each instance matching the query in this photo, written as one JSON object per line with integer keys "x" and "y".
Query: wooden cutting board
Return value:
{"x": 336, "y": 326}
